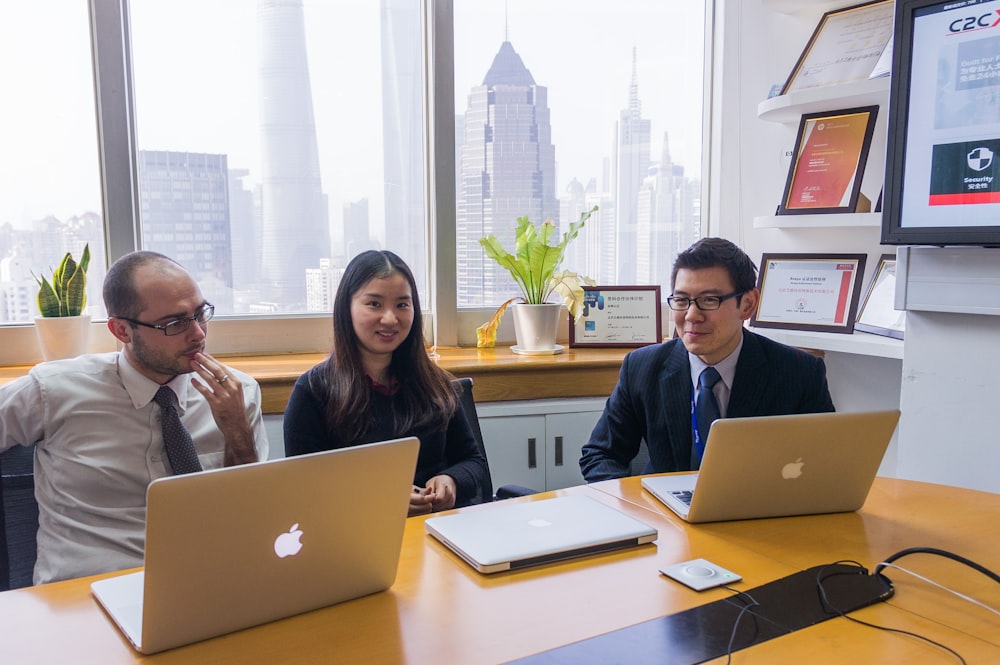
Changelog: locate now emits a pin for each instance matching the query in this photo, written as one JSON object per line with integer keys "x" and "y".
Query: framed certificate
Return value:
{"x": 828, "y": 162}
{"x": 618, "y": 316}
{"x": 846, "y": 46}
{"x": 878, "y": 314}
{"x": 809, "y": 291}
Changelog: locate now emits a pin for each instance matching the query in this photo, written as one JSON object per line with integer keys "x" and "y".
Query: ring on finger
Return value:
{"x": 225, "y": 377}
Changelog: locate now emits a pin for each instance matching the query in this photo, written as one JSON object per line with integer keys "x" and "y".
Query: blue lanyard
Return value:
{"x": 699, "y": 445}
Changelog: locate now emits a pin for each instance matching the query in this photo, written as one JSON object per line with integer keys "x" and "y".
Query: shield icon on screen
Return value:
{"x": 980, "y": 159}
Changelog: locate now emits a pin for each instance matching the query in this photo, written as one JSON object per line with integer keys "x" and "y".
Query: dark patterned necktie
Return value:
{"x": 176, "y": 438}
{"x": 706, "y": 408}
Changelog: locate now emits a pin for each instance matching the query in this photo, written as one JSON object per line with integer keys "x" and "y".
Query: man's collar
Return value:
{"x": 726, "y": 367}
{"x": 141, "y": 389}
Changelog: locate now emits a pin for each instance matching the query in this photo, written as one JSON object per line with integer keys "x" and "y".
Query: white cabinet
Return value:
{"x": 537, "y": 443}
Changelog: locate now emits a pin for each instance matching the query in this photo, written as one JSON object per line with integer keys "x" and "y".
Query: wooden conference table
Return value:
{"x": 441, "y": 611}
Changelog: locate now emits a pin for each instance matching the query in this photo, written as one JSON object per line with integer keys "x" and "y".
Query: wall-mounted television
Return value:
{"x": 942, "y": 182}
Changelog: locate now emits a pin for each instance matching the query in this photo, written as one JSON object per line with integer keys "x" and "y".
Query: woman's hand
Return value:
{"x": 439, "y": 494}
{"x": 421, "y": 502}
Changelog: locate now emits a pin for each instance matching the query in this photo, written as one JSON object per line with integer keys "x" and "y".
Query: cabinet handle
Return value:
{"x": 532, "y": 454}
{"x": 559, "y": 451}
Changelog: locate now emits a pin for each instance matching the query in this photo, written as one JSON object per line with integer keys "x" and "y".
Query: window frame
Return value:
{"x": 447, "y": 325}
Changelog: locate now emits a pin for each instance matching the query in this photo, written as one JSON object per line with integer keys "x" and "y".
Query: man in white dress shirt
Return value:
{"x": 96, "y": 429}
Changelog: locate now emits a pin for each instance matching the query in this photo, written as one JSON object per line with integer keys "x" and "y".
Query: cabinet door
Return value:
{"x": 515, "y": 448}
{"x": 566, "y": 433}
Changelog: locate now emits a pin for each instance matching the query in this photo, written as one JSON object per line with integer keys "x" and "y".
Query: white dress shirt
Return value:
{"x": 726, "y": 369}
{"x": 98, "y": 446}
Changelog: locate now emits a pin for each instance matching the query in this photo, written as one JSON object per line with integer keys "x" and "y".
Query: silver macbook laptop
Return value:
{"x": 236, "y": 547}
{"x": 779, "y": 466}
{"x": 510, "y": 535}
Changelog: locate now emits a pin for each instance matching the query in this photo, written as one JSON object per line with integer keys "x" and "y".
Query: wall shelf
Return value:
{"x": 790, "y": 108}
{"x": 857, "y": 343}
{"x": 800, "y": 8}
{"x": 824, "y": 221}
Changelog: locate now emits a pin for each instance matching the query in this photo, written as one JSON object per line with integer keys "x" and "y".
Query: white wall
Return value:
{"x": 951, "y": 385}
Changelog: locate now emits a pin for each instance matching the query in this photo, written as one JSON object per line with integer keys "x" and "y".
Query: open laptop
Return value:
{"x": 779, "y": 466}
{"x": 236, "y": 547}
{"x": 508, "y": 535}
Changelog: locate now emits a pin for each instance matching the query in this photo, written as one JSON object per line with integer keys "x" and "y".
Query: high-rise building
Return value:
{"x": 630, "y": 168}
{"x": 296, "y": 220}
{"x": 357, "y": 229}
{"x": 507, "y": 170}
{"x": 184, "y": 204}
{"x": 321, "y": 286}
{"x": 403, "y": 136}
{"x": 244, "y": 231}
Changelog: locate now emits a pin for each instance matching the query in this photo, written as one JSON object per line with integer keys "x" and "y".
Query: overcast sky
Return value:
{"x": 195, "y": 84}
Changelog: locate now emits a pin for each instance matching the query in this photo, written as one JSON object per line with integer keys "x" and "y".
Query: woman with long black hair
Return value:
{"x": 378, "y": 383}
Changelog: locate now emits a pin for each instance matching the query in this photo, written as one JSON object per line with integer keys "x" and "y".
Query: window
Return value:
{"x": 562, "y": 109}
{"x": 263, "y": 143}
{"x": 51, "y": 202}
{"x": 287, "y": 135}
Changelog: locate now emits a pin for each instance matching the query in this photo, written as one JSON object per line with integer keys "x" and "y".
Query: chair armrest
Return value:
{"x": 511, "y": 491}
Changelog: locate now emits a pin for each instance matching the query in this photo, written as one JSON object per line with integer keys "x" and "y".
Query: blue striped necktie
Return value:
{"x": 706, "y": 408}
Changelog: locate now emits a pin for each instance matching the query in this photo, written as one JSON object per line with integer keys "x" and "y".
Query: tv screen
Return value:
{"x": 942, "y": 182}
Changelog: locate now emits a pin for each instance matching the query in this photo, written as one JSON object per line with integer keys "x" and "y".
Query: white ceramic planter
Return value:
{"x": 62, "y": 336}
{"x": 535, "y": 326}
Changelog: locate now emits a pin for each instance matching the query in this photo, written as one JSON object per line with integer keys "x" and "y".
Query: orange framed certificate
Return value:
{"x": 828, "y": 163}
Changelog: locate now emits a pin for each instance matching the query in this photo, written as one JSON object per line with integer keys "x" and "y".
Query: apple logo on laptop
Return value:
{"x": 539, "y": 522}
{"x": 792, "y": 469}
{"x": 287, "y": 544}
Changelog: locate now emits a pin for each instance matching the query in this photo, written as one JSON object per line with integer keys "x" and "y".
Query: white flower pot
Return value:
{"x": 535, "y": 326}
{"x": 62, "y": 336}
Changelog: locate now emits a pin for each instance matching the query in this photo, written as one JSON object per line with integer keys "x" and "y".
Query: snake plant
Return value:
{"x": 66, "y": 294}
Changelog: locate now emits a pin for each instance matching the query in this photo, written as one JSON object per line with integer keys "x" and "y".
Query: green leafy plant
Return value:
{"x": 66, "y": 294}
{"x": 533, "y": 266}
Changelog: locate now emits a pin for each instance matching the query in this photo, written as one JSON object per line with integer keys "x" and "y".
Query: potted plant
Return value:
{"x": 63, "y": 327}
{"x": 533, "y": 267}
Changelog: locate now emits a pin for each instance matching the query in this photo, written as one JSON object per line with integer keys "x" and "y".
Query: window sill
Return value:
{"x": 499, "y": 375}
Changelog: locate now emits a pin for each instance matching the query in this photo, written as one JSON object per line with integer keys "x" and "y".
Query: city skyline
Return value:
{"x": 201, "y": 116}
{"x": 593, "y": 69}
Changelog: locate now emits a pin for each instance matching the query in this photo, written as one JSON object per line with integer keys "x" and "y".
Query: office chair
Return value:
{"x": 468, "y": 402}
{"x": 18, "y": 517}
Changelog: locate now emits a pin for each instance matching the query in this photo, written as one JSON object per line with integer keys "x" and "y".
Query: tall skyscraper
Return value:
{"x": 631, "y": 166}
{"x": 296, "y": 220}
{"x": 357, "y": 229}
{"x": 244, "y": 232}
{"x": 507, "y": 170}
{"x": 403, "y": 136}
{"x": 184, "y": 199}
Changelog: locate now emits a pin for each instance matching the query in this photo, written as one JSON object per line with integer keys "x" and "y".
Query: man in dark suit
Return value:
{"x": 714, "y": 292}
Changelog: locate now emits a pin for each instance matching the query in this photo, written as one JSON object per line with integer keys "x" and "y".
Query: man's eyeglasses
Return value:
{"x": 704, "y": 303}
{"x": 179, "y": 326}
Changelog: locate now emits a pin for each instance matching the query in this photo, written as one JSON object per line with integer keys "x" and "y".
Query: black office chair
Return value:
{"x": 18, "y": 517}
{"x": 469, "y": 407}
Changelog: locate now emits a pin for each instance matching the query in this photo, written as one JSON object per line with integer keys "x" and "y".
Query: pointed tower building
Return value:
{"x": 506, "y": 170}
{"x": 631, "y": 167}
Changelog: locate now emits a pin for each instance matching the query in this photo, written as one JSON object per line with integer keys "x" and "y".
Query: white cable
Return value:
{"x": 941, "y": 586}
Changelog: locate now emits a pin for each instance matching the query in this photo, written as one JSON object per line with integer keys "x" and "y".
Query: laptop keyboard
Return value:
{"x": 684, "y": 496}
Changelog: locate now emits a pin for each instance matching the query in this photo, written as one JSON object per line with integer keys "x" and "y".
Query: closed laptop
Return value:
{"x": 508, "y": 535}
{"x": 778, "y": 466}
{"x": 236, "y": 547}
